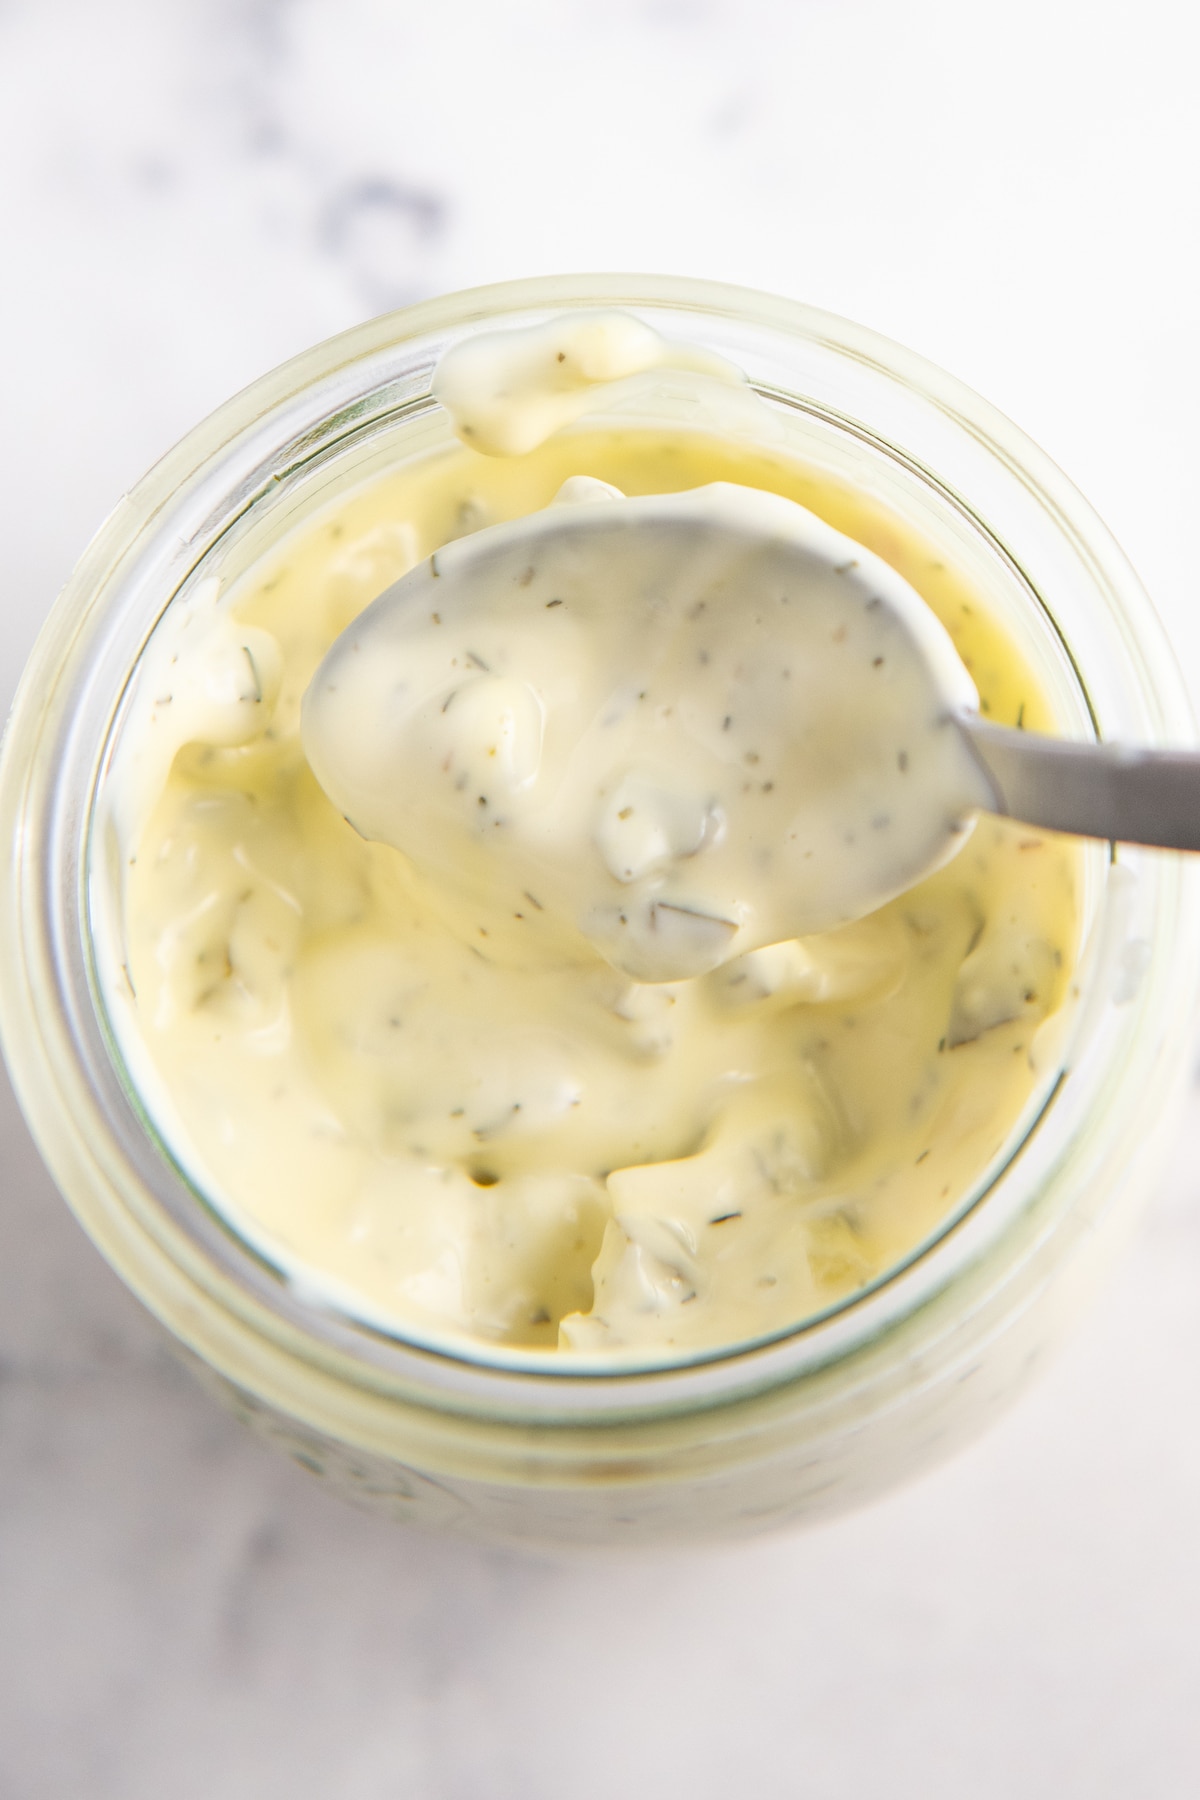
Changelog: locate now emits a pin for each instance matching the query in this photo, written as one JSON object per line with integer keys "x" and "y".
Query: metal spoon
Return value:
{"x": 691, "y": 724}
{"x": 1093, "y": 790}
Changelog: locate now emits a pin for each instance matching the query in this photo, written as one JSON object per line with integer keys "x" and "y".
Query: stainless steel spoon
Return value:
{"x": 694, "y": 724}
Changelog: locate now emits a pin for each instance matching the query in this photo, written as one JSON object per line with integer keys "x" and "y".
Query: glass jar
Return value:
{"x": 736, "y": 1441}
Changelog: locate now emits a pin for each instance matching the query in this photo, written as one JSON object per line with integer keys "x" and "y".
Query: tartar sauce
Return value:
{"x": 696, "y": 723}
{"x": 435, "y": 1080}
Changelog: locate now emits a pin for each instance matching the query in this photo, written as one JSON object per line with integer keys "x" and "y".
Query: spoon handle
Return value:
{"x": 1094, "y": 790}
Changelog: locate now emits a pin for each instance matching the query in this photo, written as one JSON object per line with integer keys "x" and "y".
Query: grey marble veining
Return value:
{"x": 188, "y": 194}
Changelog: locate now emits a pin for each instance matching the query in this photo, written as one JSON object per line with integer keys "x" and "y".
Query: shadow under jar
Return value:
{"x": 514, "y": 1445}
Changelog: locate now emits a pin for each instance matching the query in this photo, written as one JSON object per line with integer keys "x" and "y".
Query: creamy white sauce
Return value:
{"x": 690, "y": 724}
{"x": 508, "y": 391}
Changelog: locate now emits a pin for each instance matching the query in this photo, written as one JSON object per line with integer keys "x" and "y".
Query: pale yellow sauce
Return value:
{"x": 423, "y": 1119}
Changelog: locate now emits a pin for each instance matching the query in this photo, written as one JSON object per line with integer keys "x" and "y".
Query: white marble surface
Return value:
{"x": 189, "y": 192}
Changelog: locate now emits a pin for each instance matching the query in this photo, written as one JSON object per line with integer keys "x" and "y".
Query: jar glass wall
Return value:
{"x": 508, "y": 1446}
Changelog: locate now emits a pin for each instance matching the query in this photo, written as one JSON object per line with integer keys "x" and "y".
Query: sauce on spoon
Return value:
{"x": 690, "y": 724}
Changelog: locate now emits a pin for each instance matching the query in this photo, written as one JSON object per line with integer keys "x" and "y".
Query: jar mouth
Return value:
{"x": 248, "y": 469}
